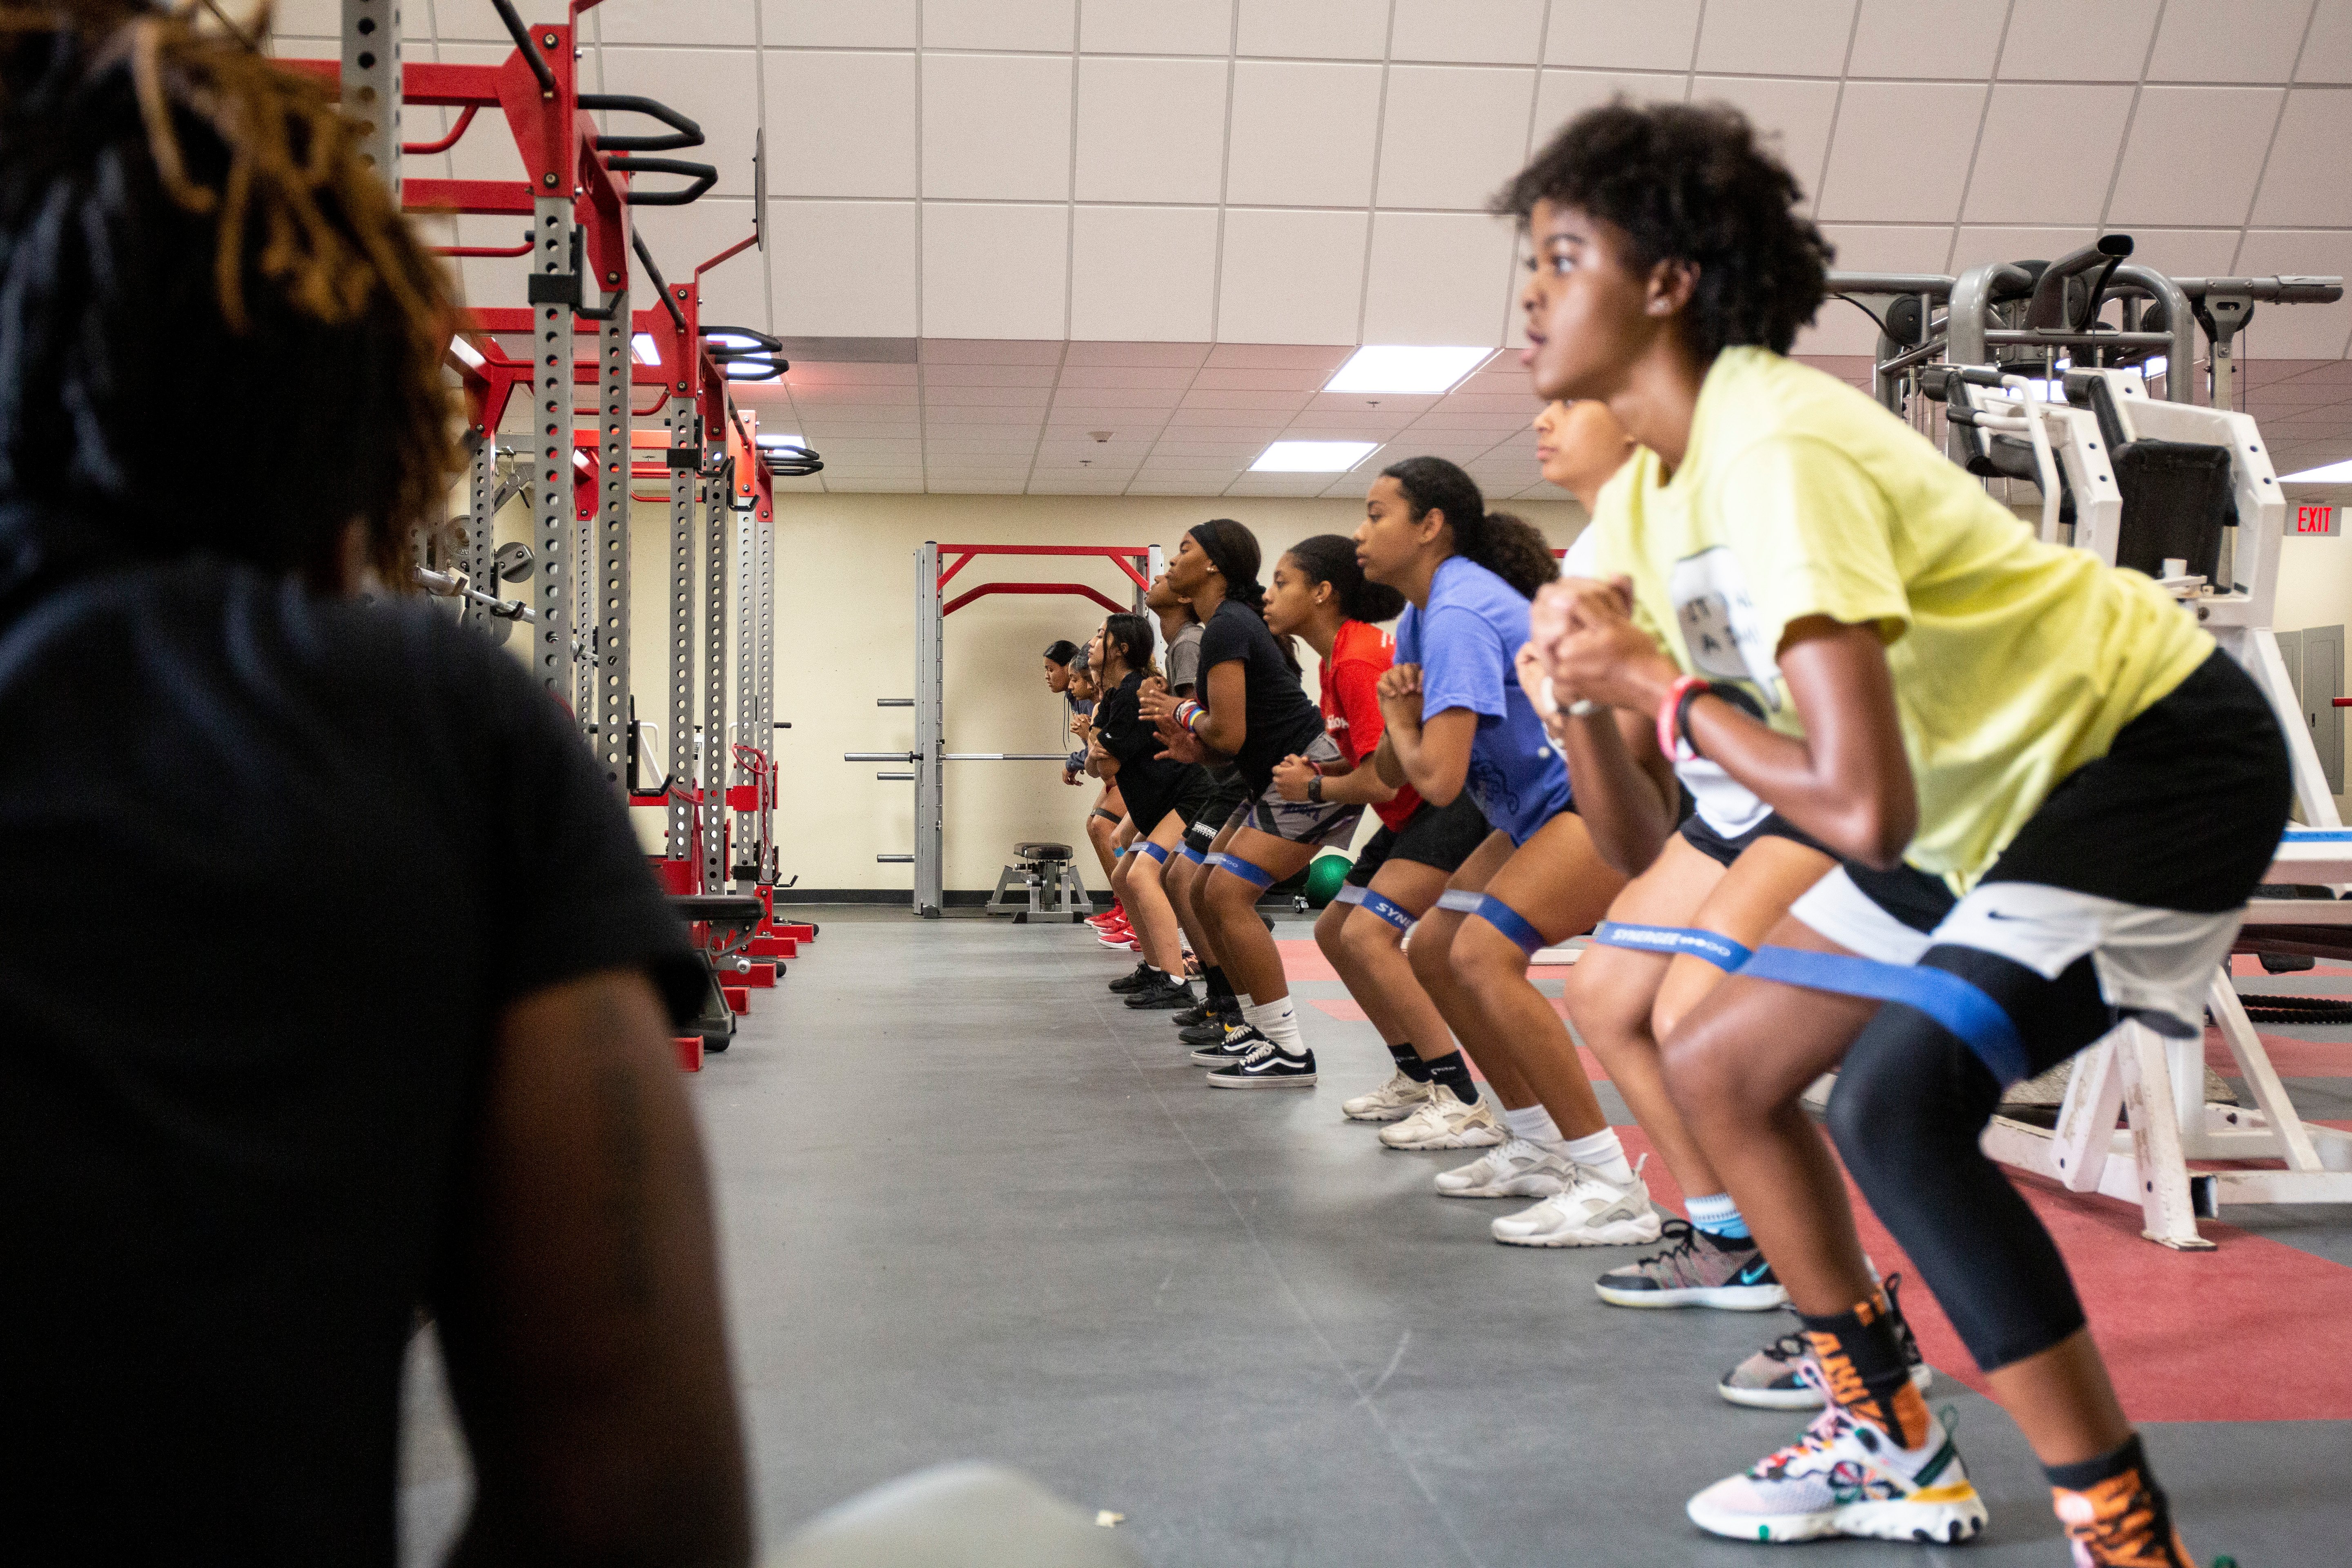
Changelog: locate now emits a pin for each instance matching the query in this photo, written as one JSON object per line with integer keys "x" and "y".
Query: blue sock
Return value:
{"x": 1717, "y": 1215}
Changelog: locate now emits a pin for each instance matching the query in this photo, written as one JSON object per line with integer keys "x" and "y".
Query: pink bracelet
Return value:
{"x": 1669, "y": 743}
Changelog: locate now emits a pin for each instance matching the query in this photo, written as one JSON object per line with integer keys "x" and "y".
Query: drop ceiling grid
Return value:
{"x": 2251, "y": 111}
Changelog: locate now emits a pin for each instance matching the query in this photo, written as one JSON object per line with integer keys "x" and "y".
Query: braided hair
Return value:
{"x": 1329, "y": 558}
{"x": 189, "y": 234}
{"x": 1506, "y": 546}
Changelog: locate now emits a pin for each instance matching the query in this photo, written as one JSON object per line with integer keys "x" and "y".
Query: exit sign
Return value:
{"x": 2314, "y": 522}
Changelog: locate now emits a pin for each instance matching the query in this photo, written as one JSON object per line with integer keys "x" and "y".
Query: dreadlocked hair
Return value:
{"x": 1329, "y": 558}
{"x": 1506, "y": 546}
{"x": 217, "y": 333}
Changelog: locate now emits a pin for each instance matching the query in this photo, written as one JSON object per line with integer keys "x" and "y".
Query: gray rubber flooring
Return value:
{"x": 975, "y": 1208}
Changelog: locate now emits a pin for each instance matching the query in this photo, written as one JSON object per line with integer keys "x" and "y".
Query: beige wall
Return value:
{"x": 845, "y": 635}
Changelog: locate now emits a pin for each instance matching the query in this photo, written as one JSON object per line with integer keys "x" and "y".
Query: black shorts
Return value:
{"x": 1439, "y": 836}
{"x": 1701, "y": 836}
{"x": 1223, "y": 796}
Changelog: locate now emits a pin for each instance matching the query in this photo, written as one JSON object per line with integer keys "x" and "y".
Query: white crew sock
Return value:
{"x": 1603, "y": 1152}
{"x": 1533, "y": 1124}
{"x": 1278, "y": 1021}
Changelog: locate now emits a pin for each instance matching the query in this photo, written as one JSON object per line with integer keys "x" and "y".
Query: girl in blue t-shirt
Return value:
{"x": 1457, "y": 720}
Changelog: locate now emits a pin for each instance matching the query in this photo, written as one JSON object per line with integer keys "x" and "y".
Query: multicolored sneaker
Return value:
{"x": 1846, "y": 1476}
{"x": 1773, "y": 1379}
{"x": 1443, "y": 1121}
{"x": 1392, "y": 1101}
{"x": 2121, "y": 1522}
{"x": 1699, "y": 1269}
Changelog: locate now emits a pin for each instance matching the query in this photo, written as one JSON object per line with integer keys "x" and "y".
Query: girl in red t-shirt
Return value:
{"x": 1321, "y": 595}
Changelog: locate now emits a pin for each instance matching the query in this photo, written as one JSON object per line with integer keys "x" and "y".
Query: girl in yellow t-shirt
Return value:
{"x": 1951, "y": 706}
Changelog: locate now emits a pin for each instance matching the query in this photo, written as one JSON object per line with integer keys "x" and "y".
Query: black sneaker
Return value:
{"x": 1207, "y": 1010}
{"x": 1267, "y": 1067}
{"x": 1135, "y": 979}
{"x": 1165, "y": 993}
{"x": 1231, "y": 1046}
{"x": 1207, "y": 1034}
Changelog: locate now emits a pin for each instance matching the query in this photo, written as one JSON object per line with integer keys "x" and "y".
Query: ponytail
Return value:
{"x": 1506, "y": 546}
{"x": 1329, "y": 558}
{"x": 1233, "y": 550}
{"x": 1130, "y": 633}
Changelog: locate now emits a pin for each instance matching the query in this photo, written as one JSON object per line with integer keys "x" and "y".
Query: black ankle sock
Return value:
{"x": 1454, "y": 1072}
{"x": 1408, "y": 1061}
{"x": 1862, "y": 1356}
{"x": 2081, "y": 1476}
{"x": 1218, "y": 984}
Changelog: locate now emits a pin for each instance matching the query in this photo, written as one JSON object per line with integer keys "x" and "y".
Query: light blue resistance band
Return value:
{"x": 1255, "y": 876}
{"x": 1375, "y": 904}
{"x": 1721, "y": 951}
{"x": 1157, "y": 853}
{"x": 1981, "y": 1023}
{"x": 1496, "y": 913}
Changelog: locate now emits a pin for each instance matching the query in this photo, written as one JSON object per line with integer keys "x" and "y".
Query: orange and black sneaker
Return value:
{"x": 2122, "y": 1521}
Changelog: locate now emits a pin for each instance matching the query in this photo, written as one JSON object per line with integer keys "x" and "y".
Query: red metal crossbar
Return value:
{"x": 1080, "y": 589}
{"x": 1122, "y": 556}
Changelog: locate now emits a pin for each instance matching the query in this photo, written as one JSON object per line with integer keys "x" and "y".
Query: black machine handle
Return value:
{"x": 661, "y": 287}
{"x": 2048, "y": 308}
{"x": 521, "y": 36}
{"x": 703, "y": 176}
{"x": 683, "y": 133}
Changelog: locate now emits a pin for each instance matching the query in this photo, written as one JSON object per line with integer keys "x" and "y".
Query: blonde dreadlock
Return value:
{"x": 164, "y": 187}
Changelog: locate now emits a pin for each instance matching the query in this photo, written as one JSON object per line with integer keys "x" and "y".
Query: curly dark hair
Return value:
{"x": 1688, "y": 182}
{"x": 1507, "y": 546}
{"x": 190, "y": 242}
{"x": 1330, "y": 558}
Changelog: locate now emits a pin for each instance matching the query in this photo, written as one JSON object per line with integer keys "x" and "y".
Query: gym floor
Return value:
{"x": 975, "y": 1208}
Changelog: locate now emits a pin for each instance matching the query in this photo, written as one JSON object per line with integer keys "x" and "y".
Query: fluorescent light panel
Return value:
{"x": 647, "y": 351}
{"x": 1403, "y": 367}
{"x": 1313, "y": 457}
{"x": 785, "y": 440}
{"x": 466, "y": 351}
{"x": 2329, "y": 474}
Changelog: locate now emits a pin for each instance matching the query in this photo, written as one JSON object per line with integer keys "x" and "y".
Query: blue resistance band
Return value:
{"x": 1981, "y": 1023}
{"x": 1374, "y": 904}
{"x": 1192, "y": 854}
{"x": 1721, "y": 951}
{"x": 1117, "y": 850}
{"x": 1257, "y": 876}
{"x": 2318, "y": 835}
{"x": 1157, "y": 853}
{"x": 1496, "y": 913}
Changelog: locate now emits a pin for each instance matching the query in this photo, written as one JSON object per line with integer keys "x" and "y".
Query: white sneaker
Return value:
{"x": 1444, "y": 1122}
{"x": 1594, "y": 1212}
{"x": 1517, "y": 1170}
{"x": 1392, "y": 1101}
{"x": 1844, "y": 1477}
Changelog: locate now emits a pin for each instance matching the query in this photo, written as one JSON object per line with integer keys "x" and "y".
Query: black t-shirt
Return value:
{"x": 1146, "y": 783}
{"x": 1282, "y": 719}
{"x": 270, "y": 865}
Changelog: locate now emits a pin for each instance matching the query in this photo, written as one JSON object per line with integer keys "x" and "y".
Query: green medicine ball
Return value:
{"x": 1326, "y": 878}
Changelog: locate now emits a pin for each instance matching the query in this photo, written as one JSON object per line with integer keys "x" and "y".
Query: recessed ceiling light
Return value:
{"x": 2330, "y": 474}
{"x": 646, "y": 349}
{"x": 1402, "y": 367}
{"x": 466, "y": 351}
{"x": 1313, "y": 457}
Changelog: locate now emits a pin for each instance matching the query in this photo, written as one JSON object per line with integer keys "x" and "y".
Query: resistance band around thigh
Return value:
{"x": 1148, "y": 848}
{"x": 1192, "y": 854}
{"x": 1496, "y": 913}
{"x": 1373, "y": 903}
{"x": 1721, "y": 951}
{"x": 1257, "y": 876}
{"x": 1968, "y": 1012}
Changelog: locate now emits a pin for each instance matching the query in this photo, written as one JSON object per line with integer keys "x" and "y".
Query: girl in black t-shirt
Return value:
{"x": 1250, "y": 708}
{"x": 1127, "y": 749}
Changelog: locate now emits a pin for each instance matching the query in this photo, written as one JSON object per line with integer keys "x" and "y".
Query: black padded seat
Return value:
{"x": 719, "y": 909}
{"x": 1040, "y": 851}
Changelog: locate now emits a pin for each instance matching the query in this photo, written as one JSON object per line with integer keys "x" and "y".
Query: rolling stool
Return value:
{"x": 1048, "y": 884}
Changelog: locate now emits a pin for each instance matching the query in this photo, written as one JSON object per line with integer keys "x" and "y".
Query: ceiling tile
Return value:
{"x": 2194, "y": 155}
{"x": 2018, "y": 181}
{"x": 1073, "y": 404}
{"x": 2078, "y": 40}
{"x": 1223, "y": 378}
{"x": 1316, "y": 29}
{"x": 853, "y": 380}
{"x": 996, "y": 127}
{"x": 706, "y": 22}
{"x": 1976, "y": 246}
{"x": 1503, "y": 31}
{"x": 1452, "y": 134}
{"x": 2245, "y": 40}
{"x": 1927, "y": 38}
{"x": 1437, "y": 277}
{"x": 1266, "y": 403}
{"x": 991, "y": 351}
{"x": 845, "y": 269}
{"x": 1277, "y": 357}
{"x": 1839, "y": 328}
{"x": 995, "y": 271}
{"x": 1901, "y": 153}
{"x": 1135, "y": 354}
{"x": 2297, "y": 331}
{"x": 2308, "y": 180}
{"x": 2328, "y": 49}
{"x": 1144, "y": 272}
{"x": 828, "y": 23}
{"x": 1150, "y": 131}
{"x": 1610, "y": 34}
{"x": 1562, "y": 95}
{"x": 1291, "y": 276}
{"x": 1302, "y": 133}
{"x": 681, "y": 238}
{"x": 710, "y": 86}
{"x": 1794, "y": 117}
{"x": 941, "y": 371}
{"x": 1081, "y": 379}
{"x": 841, "y": 124}
{"x": 1000, "y": 24}
{"x": 1155, "y": 27}
{"x": 1788, "y": 37}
